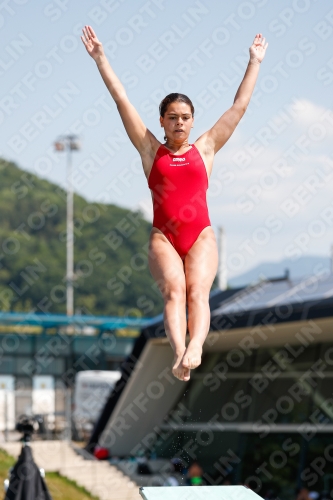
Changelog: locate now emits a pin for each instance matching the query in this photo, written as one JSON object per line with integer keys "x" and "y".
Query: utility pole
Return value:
{"x": 222, "y": 269}
{"x": 69, "y": 143}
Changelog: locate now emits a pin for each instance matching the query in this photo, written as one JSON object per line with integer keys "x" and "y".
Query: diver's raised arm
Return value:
{"x": 217, "y": 136}
{"x": 138, "y": 133}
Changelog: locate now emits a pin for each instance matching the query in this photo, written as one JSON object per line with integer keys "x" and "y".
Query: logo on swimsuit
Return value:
{"x": 178, "y": 159}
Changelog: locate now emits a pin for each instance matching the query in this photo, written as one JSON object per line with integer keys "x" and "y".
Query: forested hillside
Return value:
{"x": 110, "y": 251}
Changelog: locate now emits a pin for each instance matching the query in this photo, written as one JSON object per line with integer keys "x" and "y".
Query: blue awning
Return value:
{"x": 56, "y": 320}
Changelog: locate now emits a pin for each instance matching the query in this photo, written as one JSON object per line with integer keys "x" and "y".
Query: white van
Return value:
{"x": 92, "y": 389}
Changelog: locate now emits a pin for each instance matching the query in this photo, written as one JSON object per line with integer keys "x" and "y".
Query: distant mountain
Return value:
{"x": 110, "y": 251}
{"x": 304, "y": 266}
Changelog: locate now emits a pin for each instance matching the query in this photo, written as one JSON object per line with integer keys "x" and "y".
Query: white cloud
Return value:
{"x": 316, "y": 119}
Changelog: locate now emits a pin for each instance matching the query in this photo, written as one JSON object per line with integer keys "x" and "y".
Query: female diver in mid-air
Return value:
{"x": 182, "y": 252}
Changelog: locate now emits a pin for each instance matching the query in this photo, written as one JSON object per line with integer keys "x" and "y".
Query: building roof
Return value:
{"x": 282, "y": 300}
{"x": 272, "y": 293}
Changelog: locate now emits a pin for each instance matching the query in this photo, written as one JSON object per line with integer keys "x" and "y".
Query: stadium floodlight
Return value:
{"x": 69, "y": 143}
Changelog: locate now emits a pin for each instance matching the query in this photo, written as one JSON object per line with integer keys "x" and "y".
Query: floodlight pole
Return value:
{"x": 69, "y": 143}
{"x": 69, "y": 238}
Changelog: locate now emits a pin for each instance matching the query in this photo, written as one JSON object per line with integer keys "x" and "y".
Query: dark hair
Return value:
{"x": 175, "y": 97}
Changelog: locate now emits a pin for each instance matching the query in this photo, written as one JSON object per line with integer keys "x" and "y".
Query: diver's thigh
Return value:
{"x": 201, "y": 262}
{"x": 165, "y": 264}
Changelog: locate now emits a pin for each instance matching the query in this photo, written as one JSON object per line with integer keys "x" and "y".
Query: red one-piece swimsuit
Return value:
{"x": 179, "y": 184}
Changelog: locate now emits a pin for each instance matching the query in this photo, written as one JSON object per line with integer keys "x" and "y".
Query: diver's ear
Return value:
{"x": 161, "y": 121}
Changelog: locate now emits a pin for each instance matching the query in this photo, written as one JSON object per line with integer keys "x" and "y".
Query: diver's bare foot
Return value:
{"x": 192, "y": 356}
{"x": 178, "y": 370}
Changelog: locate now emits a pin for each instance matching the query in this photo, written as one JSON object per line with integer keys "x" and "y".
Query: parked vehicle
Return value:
{"x": 92, "y": 388}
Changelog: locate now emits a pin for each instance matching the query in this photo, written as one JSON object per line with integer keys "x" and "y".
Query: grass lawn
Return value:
{"x": 63, "y": 489}
{"x": 59, "y": 487}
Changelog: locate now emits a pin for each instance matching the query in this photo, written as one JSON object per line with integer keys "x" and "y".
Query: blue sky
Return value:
{"x": 271, "y": 187}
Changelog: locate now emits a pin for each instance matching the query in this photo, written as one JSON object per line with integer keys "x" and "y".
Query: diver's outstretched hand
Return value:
{"x": 92, "y": 44}
{"x": 258, "y": 48}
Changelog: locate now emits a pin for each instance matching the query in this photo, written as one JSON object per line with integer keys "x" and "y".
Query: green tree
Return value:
{"x": 111, "y": 269}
